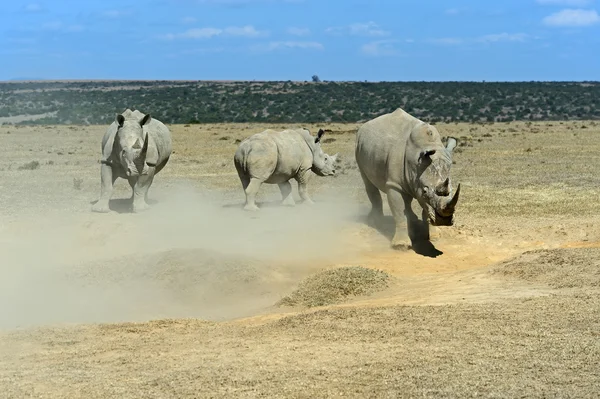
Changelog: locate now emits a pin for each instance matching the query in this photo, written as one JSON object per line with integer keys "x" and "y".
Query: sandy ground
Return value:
{"x": 181, "y": 301}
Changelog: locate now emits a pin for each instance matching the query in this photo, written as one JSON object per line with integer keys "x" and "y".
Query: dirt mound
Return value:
{"x": 336, "y": 285}
{"x": 559, "y": 268}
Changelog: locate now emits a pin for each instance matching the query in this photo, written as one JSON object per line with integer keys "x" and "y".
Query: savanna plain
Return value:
{"x": 197, "y": 298}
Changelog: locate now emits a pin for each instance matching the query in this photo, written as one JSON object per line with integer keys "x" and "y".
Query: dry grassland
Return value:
{"x": 196, "y": 298}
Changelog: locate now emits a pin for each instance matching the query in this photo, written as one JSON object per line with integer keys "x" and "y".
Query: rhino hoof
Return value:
{"x": 140, "y": 208}
{"x": 100, "y": 208}
{"x": 288, "y": 203}
{"x": 251, "y": 208}
{"x": 401, "y": 244}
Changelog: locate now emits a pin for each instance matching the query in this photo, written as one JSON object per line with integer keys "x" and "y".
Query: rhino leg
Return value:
{"x": 398, "y": 203}
{"x": 140, "y": 191}
{"x": 429, "y": 233}
{"x": 302, "y": 180}
{"x": 374, "y": 195}
{"x": 286, "y": 193}
{"x": 251, "y": 191}
{"x": 107, "y": 181}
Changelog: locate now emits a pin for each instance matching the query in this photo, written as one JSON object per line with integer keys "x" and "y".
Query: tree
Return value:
{"x": 315, "y": 79}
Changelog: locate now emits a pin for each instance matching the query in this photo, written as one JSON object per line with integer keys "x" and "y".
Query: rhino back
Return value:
{"x": 381, "y": 146}
{"x": 293, "y": 154}
{"x": 256, "y": 156}
{"x": 274, "y": 156}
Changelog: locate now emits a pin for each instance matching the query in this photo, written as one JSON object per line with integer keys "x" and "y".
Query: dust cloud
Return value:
{"x": 191, "y": 255}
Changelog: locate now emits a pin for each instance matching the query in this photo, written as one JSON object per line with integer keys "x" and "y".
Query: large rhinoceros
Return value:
{"x": 275, "y": 157}
{"x": 405, "y": 158}
{"x": 135, "y": 147}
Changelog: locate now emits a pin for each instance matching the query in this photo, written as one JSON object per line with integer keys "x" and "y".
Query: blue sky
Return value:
{"x": 376, "y": 40}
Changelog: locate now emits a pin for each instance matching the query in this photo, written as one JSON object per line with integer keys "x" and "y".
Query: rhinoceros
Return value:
{"x": 275, "y": 157}
{"x": 405, "y": 158}
{"x": 135, "y": 147}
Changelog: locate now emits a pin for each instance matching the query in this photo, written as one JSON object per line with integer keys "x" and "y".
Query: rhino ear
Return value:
{"x": 424, "y": 156}
{"x": 120, "y": 120}
{"x": 319, "y": 135}
{"x": 147, "y": 118}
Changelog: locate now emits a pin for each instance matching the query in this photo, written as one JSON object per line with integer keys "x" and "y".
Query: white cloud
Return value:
{"x": 503, "y": 37}
{"x": 33, "y": 7}
{"x": 246, "y": 31}
{"x": 452, "y": 11}
{"x": 359, "y": 29}
{"x": 379, "y": 48}
{"x": 197, "y": 33}
{"x": 447, "y": 41}
{"x": 207, "y": 33}
{"x": 57, "y": 26}
{"x": 274, "y": 46}
{"x": 570, "y": 3}
{"x": 572, "y": 18}
{"x": 115, "y": 13}
{"x": 298, "y": 31}
{"x": 242, "y": 2}
{"x": 491, "y": 38}
{"x": 188, "y": 20}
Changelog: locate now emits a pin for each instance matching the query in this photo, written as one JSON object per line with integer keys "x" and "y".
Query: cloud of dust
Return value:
{"x": 190, "y": 255}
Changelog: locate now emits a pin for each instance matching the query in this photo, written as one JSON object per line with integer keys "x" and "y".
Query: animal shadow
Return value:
{"x": 264, "y": 204}
{"x": 123, "y": 205}
{"x": 386, "y": 226}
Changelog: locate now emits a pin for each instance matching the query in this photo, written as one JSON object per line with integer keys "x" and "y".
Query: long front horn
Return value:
{"x": 450, "y": 205}
{"x": 144, "y": 148}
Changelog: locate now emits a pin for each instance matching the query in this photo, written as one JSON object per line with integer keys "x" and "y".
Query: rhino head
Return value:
{"x": 132, "y": 144}
{"x": 323, "y": 164}
{"x": 434, "y": 186}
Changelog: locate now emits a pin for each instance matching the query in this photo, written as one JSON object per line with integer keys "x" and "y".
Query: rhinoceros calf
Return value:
{"x": 404, "y": 157}
{"x": 135, "y": 147}
{"x": 275, "y": 157}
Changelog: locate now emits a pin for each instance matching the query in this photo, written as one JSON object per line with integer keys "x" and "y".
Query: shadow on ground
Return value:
{"x": 387, "y": 227}
{"x": 123, "y": 205}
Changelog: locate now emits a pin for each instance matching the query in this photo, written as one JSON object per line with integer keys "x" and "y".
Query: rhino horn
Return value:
{"x": 144, "y": 151}
{"x": 443, "y": 188}
{"x": 449, "y": 206}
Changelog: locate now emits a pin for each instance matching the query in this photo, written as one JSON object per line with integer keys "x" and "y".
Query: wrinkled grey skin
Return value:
{"x": 404, "y": 157}
{"x": 276, "y": 157}
{"x": 135, "y": 147}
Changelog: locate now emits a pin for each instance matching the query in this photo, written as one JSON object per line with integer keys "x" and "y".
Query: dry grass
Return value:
{"x": 336, "y": 285}
{"x": 559, "y": 268}
{"x": 545, "y": 347}
{"x": 525, "y": 186}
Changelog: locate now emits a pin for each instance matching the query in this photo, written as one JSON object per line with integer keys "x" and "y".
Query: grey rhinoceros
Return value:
{"x": 404, "y": 157}
{"x": 275, "y": 157}
{"x": 135, "y": 147}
